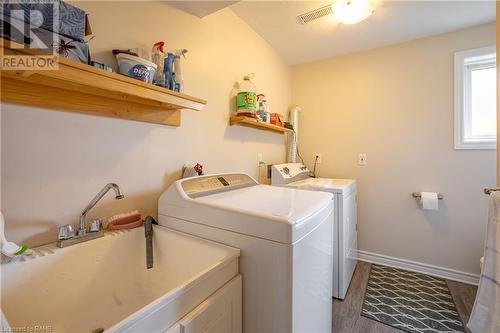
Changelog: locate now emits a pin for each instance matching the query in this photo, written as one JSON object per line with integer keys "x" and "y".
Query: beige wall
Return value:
{"x": 396, "y": 105}
{"x": 393, "y": 103}
{"x": 53, "y": 162}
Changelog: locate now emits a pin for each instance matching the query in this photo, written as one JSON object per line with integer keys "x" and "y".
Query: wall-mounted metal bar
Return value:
{"x": 418, "y": 195}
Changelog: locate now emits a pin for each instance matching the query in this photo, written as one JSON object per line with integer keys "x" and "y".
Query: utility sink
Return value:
{"x": 103, "y": 284}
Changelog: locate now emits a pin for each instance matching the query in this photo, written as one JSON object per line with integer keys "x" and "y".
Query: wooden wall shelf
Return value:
{"x": 77, "y": 87}
{"x": 254, "y": 123}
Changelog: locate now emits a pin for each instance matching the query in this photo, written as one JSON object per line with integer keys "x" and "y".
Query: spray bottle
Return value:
{"x": 169, "y": 71}
{"x": 178, "y": 69}
{"x": 158, "y": 57}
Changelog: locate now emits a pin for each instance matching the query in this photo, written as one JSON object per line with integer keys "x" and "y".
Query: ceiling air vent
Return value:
{"x": 315, "y": 14}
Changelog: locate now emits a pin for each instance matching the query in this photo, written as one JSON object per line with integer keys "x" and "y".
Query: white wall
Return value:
{"x": 53, "y": 162}
{"x": 396, "y": 105}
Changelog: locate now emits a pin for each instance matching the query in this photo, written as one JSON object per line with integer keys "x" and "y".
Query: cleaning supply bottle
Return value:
{"x": 261, "y": 109}
{"x": 169, "y": 70}
{"x": 178, "y": 69}
{"x": 246, "y": 100}
{"x": 8, "y": 248}
{"x": 174, "y": 84}
{"x": 268, "y": 111}
{"x": 158, "y": 58}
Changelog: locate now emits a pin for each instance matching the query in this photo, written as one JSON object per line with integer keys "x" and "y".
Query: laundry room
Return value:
{"x": 249, "y": 166}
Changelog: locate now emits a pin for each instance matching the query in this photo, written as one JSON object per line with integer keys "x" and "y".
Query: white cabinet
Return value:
{"x": 220, "y": 313}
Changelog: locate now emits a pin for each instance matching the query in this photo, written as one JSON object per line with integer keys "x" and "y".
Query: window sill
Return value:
{"x": 476, "y": 145}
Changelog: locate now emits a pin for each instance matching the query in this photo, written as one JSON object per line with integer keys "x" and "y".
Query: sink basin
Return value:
{"x": 104, "y": 283}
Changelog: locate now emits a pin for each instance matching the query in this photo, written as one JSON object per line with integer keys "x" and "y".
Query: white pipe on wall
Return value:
{"x": 292, "y": 139}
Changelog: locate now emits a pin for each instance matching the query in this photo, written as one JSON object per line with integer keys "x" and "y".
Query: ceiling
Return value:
{"x": 200, "y": 8}
{"x": 393, "y": 22}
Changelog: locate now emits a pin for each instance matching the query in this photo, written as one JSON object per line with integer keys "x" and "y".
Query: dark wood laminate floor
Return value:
{"x": 347, "y": 313}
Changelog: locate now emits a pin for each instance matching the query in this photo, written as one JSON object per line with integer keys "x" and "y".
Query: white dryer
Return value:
{"x": 345, "y": 238}
{"x": 285, "y": 237}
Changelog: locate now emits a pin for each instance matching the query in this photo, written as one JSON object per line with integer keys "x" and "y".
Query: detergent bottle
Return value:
{"x": 158, "y": 58}
{"x": 179, "y": 78}
{"x": 246, "y": 100}
{"x": 169, "y": 71}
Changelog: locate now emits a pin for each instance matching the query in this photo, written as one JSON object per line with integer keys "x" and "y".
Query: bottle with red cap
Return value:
{"x": 158, "y": 57}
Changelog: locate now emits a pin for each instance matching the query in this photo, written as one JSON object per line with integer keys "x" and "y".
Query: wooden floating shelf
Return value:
{"x": 77, "y": 87}
{"x": 254, "y": 123}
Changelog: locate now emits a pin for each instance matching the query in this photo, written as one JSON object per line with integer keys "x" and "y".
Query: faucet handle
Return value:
{"x": 96, "y": 225}
{"x": 66, "y": 232}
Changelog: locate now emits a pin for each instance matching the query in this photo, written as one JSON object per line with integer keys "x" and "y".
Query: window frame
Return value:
{"x": 465, "y": 62}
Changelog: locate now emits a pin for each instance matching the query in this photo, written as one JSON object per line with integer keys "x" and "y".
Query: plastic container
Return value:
{"x": 179, "y": 77}
{"x": 138, "y": 68}
{"x": 158, "y": 58}
{"x": 168, "y": 68}
{"x": 246, "y": 100}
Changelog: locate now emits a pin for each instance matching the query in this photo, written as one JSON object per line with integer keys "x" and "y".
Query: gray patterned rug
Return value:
{"x": 412, "y": 302}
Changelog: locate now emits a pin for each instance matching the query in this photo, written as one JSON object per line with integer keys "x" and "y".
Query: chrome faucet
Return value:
{"x": 148, "y": 233}
{"x": 82, "y": 230}
{"x": 66, "y": 234}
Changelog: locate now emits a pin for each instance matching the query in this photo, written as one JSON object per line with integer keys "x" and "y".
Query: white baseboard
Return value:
{"x": 441, "y": 272}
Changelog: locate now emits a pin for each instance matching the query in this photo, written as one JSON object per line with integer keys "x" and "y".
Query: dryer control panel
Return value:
{"x": 206, "y": 185}
{"x": 282, "y": 174}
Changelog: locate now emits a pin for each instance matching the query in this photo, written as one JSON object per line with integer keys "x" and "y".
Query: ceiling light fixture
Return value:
{"x": 351, "y": 11}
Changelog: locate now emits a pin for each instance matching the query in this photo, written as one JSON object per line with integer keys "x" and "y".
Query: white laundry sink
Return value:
{"x": 104, "y": 283}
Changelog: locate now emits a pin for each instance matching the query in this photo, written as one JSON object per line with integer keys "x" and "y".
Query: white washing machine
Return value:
{"x": 345, "y": 238}
{"x": 285, "y": 237}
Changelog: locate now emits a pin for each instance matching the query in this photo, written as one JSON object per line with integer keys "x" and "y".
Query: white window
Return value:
{"x": 475, "y": 99}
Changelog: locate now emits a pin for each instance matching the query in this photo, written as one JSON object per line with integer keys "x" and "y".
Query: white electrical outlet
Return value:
{"x": 260, "y": 159}
{"x": 317, "y": 158}
{"x": 362, "y": 159}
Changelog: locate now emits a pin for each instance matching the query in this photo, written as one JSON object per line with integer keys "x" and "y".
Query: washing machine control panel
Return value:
{"x": 282, "y": 174}
{"x": 206, "y": 185}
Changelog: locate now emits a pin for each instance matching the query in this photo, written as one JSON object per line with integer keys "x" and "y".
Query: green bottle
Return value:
{"x": 246, "y": 100}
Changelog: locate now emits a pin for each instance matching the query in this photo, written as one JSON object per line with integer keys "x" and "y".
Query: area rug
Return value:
{"x": 409, "y": 301}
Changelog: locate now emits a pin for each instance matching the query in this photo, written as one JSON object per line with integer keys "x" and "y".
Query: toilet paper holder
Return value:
{"x": 418, "y": 195}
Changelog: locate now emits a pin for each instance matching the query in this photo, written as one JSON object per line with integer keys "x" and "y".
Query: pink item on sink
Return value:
{"x": 125, "y": 221}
